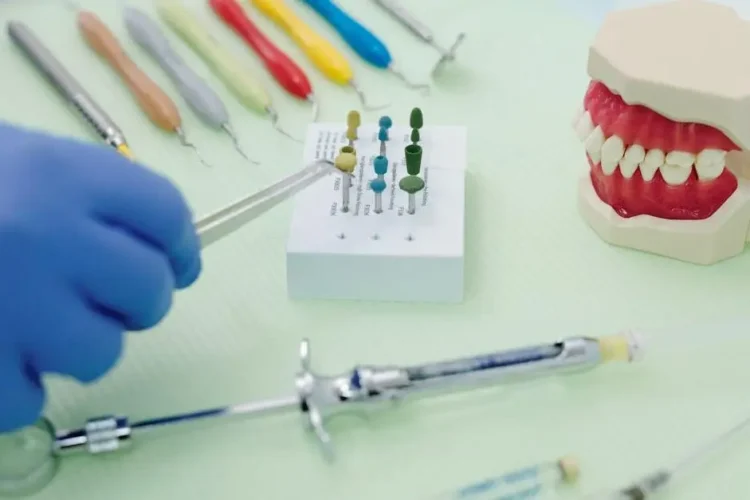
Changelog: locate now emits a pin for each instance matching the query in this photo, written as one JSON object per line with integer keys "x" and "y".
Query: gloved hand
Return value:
{"x": 91, "y": 245}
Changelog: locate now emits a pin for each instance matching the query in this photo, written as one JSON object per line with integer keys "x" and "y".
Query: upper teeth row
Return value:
{"x": 675, "y": 166}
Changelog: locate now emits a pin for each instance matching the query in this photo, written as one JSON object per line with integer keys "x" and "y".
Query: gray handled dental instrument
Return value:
{"x": 67, "y": 86}
{"x": 193, "y": 89}
{"x": 421, "y": 31}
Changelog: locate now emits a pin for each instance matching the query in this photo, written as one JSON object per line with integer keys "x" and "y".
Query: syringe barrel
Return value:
{"x": 573, "y": 354}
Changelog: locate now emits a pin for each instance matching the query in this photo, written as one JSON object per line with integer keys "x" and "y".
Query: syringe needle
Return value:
{"x": 230, "y": 132}
{"x": 315, "y": 107}
{"x": 421, "y": 31}
{"x": 183, "y": 140}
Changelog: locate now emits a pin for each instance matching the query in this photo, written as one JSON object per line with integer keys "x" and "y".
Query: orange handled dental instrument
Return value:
{"x": 329, "y": 61}
{"x": 152, "y": 100}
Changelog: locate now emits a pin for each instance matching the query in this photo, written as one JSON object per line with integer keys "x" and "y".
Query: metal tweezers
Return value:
{"x": 229, "y": 219}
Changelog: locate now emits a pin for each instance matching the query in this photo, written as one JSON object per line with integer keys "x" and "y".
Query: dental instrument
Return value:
{"x": 522, "y": 484}
{"x": 67, "y": 86}
{"x": 230, "y": 70}
{"x": 286, "y": 72}
{"x": 194, "y": 90}
{"x": 229, "y": 219}
{"x": 152, "y": 100}
{"x": 421, "y": 31}
{"x": 658, "y": 480}
{"x": 30, "y": 458}
{"x": 368, "y": 46}
{"x": 346, "y": 161}
{"x": 320, "y": 51}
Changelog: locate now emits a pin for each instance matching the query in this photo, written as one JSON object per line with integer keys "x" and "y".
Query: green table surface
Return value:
{"x": 534, "y": 272}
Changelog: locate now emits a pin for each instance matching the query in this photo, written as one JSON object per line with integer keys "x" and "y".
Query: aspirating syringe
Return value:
{"x": 316, "y": 397}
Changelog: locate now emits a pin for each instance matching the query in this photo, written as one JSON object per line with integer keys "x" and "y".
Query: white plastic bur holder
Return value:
{"x": 394, "y": 255}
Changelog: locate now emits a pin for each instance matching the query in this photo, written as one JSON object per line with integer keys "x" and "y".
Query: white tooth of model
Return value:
{"x": 627, "y": 56}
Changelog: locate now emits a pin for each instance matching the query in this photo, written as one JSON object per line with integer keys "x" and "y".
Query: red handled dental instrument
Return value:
{"x": 289, "y": 75}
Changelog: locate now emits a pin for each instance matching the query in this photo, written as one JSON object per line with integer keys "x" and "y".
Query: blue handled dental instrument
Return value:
{"x": 409, "y": 21}
{"x": 368, "y": 46}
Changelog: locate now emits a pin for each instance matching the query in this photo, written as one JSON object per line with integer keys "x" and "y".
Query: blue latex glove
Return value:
{"x": 91, "y": 245}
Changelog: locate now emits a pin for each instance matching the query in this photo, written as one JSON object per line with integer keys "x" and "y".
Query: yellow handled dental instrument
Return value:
{"x": 224, "y": 65}
{"x": 329, "y": 61}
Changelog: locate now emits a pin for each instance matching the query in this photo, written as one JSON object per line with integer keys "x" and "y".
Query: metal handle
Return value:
{"x": 406, "y": 19}
{"x": 198, "y": 95}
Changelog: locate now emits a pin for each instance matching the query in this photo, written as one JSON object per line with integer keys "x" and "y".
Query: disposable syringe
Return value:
{"x": 28, "y": 459}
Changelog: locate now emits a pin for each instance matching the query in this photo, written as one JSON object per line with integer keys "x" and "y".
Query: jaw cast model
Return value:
{"x": 666, "y": 128}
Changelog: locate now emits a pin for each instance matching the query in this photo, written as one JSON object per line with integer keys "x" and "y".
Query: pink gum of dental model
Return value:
{"x": 665, "y": 124}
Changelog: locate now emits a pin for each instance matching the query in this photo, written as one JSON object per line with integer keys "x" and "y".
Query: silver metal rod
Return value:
{"x": 231, "y": 218}
{"x": 406, "y": 19}
{"x": 346, "y": 187}
{"x": 117, "y": 431}
{"x": 412, "y": 204}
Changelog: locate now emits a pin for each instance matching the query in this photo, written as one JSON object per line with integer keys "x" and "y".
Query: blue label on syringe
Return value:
{"x": 483, "y": 362}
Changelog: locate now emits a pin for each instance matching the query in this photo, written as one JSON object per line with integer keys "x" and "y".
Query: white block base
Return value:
{"x": 721, "y": 236}
{"x": 391, "y": 256}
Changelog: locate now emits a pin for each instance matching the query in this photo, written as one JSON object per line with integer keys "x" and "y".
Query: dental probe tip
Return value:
{"x": 230, "y": 131}
{"x": 315, "y": 107}
{"x": 363, "y": 98}
{"x": 275, "y": 122}
{"x": 183, "y": 140}
{"x": 424, "y": 88}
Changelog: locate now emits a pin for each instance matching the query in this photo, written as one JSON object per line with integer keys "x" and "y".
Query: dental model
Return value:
{"x": 666, "y": 128}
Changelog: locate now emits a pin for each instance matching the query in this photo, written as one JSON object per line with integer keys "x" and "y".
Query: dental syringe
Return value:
{"x": 29, "y": 459}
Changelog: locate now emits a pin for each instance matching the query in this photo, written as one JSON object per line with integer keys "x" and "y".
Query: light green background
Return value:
{"x": 534, "y": 272}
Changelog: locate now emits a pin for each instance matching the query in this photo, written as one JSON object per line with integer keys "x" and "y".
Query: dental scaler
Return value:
{"x": 29, "y": 459}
